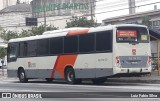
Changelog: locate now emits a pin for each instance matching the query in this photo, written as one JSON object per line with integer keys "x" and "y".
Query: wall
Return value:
{"x": 3, "y": 3}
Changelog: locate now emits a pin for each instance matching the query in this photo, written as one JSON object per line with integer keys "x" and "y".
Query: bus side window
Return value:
{"x": 56, "y": 45}
{"x": 31, "y": 47}
{"x": 87, "y": 43}
{"x": 104, "y": 41}
{"x": 22, "y": 49}
{"x": 12, "y": 52}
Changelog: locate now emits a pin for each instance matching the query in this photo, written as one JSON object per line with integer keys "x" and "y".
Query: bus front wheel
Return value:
{"x": 22, "y": 76}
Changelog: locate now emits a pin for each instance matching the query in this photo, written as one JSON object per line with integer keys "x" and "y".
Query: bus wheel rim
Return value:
{"x": 70, "y": 76}
{"x": 22, "y": 76}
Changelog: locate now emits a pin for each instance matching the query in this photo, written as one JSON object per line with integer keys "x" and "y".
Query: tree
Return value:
{"x": 3, "y": 52}
{"x": 24, "y": 33}
{"x": 81, "y": 22}
{"x": 7, "y": 35}
{"x": 18, "y": 2}
{"x": 145, "y": 21}
{"x": 39, "y": 30}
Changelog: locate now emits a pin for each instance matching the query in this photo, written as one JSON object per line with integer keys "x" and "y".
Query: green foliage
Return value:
{"x": 18, "y": 2}
{"x": 3, "y": 52}
{"x": 39, "y": 30}
{"x": 81, "y": 22}
{"x": 145, "y": 21}
{"x": 7, "y": 35}
{"x": 24, "y": 33}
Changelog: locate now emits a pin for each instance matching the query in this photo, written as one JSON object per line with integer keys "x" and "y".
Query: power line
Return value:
{"x": 117, "y": 5}
{"x": 88, "y": 2}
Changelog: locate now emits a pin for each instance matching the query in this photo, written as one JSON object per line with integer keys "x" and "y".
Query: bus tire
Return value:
{"x": 70, "y": 76}
{"x": 49, "y": 79}
{"x": 22, "y": 76}
{"x": 98, "y": 80}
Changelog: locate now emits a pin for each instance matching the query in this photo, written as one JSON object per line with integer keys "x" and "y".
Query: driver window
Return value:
{"x": 13, "y": 51}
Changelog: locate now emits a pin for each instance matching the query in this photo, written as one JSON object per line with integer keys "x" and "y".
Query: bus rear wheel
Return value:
{"x": 70, "y": 77}
{"x": 22, "y": 76}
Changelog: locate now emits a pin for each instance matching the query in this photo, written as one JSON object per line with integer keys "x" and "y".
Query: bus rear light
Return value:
{"x": 149, "y": 59}
{"x": 117, "y": 60}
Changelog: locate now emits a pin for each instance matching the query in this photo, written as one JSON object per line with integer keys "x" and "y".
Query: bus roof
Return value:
{"x": 64, "y": 32}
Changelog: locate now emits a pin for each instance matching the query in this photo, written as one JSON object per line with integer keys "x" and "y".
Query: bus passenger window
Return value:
{"x": 56, "y": 45}
{"x": 87, "y": 43}
{"x": 104, "y": 41}
{"x": 70, "y": 44}
{"x": 31, "y": 48}
{"x": 42, "y": 47}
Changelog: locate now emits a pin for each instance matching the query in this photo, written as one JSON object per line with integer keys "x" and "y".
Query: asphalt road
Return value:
{"x": 86, "y": 91}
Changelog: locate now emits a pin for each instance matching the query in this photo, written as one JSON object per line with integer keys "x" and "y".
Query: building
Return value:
{"x": 13, "y": 17}
{"x": 62, "y": 7}
{"x": 6, "y": 3}
{"x": 154, "y": 18}
{"x": 57, "y": 12}
{"x": 49, "y": 11}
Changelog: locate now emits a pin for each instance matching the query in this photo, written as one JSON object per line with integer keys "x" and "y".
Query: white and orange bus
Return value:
{"x": 81, "y": 53}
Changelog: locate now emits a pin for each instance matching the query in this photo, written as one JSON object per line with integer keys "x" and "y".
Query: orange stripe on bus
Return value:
{"x": 53, "y": 70}
{"x": 83, "y": 31}
{"x": 62, "y": 62}
{"x": 66, "y": 60}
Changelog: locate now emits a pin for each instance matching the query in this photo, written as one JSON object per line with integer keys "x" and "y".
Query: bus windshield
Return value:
{"x": 132, "y": 34}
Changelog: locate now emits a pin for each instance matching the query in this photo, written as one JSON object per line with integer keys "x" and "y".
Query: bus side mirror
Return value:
{"x": 11, "y": 59}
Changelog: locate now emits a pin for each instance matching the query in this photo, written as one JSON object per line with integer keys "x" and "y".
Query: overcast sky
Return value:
{"x": 109, "y": 5}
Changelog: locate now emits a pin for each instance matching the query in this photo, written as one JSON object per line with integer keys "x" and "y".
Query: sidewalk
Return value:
{"x": 3, "y": 74}
{"x": 153, "y": 78}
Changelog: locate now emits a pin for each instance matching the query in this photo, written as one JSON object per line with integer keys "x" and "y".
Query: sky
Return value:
{"x": 108, "y": 6}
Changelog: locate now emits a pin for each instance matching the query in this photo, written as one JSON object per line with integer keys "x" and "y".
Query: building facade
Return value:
{"x": 13, "y": 17}
{"x": 55, "y": 12}
{"x": 6, "y": 3}
{"x": 58, "y": 12}
{"x": 62, "y": 7}
{"x": 154, "y": 19}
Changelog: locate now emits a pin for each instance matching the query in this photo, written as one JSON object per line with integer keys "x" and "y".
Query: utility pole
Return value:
{"x": 131, "y": 6}
{"x": 44, "y": 5}
{"x": 91, "y": 8}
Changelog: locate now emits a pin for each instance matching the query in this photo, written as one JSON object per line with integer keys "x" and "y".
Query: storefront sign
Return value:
{"x": 62, "y": 6}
